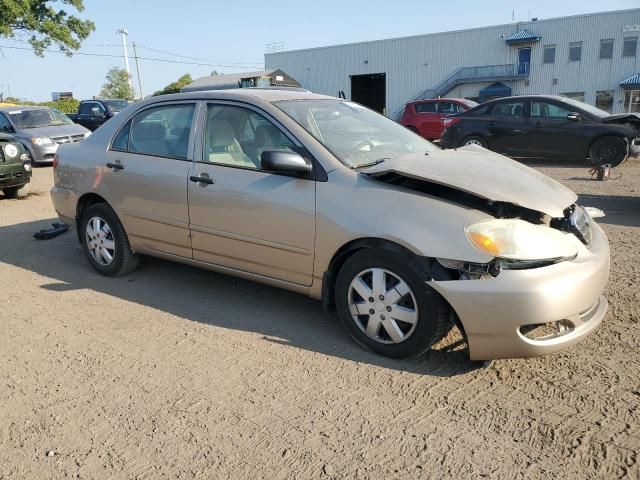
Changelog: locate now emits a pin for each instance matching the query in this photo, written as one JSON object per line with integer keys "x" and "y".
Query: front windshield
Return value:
{"x": 41, "y": 117}
{"x": 586, "y": 107}
{"x": 116, "y": 105}
{"x": 356, "y": 135}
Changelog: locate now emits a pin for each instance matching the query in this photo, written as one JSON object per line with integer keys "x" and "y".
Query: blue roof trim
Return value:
{"x": 631, "y": 82}
{"x": 522, "y": 36}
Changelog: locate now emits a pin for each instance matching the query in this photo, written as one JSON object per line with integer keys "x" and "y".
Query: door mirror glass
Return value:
{"x": 281, "y": 161}
{"x": 574, "y": 116}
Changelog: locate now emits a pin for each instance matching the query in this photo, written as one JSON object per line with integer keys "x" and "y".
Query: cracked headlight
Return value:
{"x": 514, "y": 239}
{"x": 40, "y": 141}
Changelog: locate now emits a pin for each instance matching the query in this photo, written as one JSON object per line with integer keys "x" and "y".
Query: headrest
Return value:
{"x": 267, "y": 135}
{"x": 221, "y": 134}
{"x": 149, "y": 131}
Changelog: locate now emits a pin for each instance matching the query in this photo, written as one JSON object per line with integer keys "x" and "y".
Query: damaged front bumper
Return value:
{"x": 498, "y": 314}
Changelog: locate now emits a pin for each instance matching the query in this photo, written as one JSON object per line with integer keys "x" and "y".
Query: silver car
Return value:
{"x": 41, "y": 130}
{"x": 324, "y": 197}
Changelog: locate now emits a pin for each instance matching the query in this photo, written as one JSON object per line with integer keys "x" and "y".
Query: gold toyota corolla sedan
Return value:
{"x": 324, "y": 197}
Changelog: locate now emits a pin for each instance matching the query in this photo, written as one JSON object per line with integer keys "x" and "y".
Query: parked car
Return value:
{"x": 40, "y": 130}
{"x": 15, "y": 168}
{"x": 93, "y": 113}
{"x": 426, "y": 117}
{"x": 545, "y": 126}
{"x": 330, "y": 199}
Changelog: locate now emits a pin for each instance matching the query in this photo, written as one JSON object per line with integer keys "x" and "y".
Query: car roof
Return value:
{"x": 265, "y": 94}
{"x": 447, "y": 99}
{"x": 558, "y": 98}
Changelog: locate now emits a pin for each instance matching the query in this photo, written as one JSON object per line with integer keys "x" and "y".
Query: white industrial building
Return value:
{"x": 592, "y": 57}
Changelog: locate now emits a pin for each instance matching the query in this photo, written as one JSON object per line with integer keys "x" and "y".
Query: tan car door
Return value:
{"x": 242, "y": 217}
{"x": 146, "y": 175}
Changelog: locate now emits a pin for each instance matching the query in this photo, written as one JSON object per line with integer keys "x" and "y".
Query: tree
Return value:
{"x": 176, "y": 86}
{"x": 46, "y": 24}
{"x": 117, "y": 85}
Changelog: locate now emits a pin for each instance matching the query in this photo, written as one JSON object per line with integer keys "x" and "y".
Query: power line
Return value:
{"x": 194, "y": 58}
{"x": 115, "y": 45}
{"x": 88, "y": 54}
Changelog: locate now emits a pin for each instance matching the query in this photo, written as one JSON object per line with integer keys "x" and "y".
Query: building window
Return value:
{"x": 606, "y": 48}
{"x": 630, "y": 46}
{"x": 575, "y": 51}
{"x": 579, "y": 96}
{"x": 604, "y": 100}
{"x": 549, "y": 55}
{"x": 632, "y": 101}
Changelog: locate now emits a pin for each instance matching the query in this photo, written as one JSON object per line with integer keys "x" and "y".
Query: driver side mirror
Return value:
{"x": 285, "y": 162}
{"x": 7, "y": 129}
{"x": 96, "y": 113}
{"x": 574, "y": 116}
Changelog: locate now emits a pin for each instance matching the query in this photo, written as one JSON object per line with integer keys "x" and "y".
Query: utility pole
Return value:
{"x": 124, "y": 33}
{"x": 135, "y": 56}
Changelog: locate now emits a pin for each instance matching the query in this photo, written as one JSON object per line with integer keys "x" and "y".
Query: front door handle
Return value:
{"x": 201, "y": 179}
{"x": 539, "y": 125}
{"x": 115, "y": 166}
{"x": 492, "y": 123}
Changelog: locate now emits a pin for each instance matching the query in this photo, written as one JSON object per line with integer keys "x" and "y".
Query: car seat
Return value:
{"x": 224, "y": 146}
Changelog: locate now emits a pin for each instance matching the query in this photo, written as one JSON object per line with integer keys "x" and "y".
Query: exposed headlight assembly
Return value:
{"x": 516, "y": 240}
{"x": 40, "y": 141}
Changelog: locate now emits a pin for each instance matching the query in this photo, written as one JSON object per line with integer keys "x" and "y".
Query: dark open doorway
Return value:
{"x": 370, "y": 90}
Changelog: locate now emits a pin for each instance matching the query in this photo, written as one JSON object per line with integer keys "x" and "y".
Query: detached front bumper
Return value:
{"x": 496, "y": 312}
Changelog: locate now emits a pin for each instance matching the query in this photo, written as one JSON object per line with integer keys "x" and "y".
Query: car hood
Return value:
{"x": 624, "y": 118}
{"x": 485, "y": 174}
{"x": 53, "y": 131}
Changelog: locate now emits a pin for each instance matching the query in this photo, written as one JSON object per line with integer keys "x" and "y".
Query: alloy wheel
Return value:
{"x": 100, "y": 241}
{"x": 473, "y": 141}
{"x": 383, "y": 306}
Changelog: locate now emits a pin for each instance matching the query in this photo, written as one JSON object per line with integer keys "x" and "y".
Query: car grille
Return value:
{"x": 68, "y": 139}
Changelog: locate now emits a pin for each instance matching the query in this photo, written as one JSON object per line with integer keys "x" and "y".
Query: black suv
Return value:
{"x": 541, "y": 126}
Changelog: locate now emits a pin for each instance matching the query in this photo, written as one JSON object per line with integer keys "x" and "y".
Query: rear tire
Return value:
{"x": 474, "y": 140}
{"x": 608, "y": 150}
{"x": 105, "y": 242}
{"x": 17, "y": 192}
{"x": 402, "y": 296}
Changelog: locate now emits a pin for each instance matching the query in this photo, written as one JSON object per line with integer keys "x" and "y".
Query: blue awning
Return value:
{"x": 495, "y": 90}
{"x": 631, "y": 82}
{"x": 523, "y": 36}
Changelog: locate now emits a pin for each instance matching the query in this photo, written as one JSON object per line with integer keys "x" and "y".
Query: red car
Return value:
{"x": 426, "y": 117}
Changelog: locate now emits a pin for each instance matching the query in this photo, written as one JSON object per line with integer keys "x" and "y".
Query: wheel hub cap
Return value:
{"x": 383, "y": 306}
{"x": 100, "y": 241}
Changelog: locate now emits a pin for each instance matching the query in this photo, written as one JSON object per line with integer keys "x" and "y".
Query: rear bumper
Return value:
{"x": 64, "y": 202}
{"x": 493, "y": 310}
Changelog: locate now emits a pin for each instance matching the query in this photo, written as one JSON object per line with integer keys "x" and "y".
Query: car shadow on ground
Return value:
{"x": 619, "y": 209}
{"x": 213, "y": 299}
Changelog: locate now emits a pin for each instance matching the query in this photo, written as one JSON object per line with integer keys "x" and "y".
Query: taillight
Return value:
{"x": 56, "y": 160}
{"x": 450, "y": 121}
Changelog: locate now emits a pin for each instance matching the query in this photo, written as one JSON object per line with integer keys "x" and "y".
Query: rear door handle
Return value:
{"x": 115, "y": 166}
{"x": 539, "y": 125}
{"x": 201, "y": 179}
{"x": 492, "y": 123}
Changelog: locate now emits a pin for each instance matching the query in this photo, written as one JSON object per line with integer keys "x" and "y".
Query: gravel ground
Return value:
{"x": 174, "y": 372}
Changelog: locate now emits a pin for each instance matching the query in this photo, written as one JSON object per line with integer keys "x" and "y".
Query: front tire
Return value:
{"x": 386, "y": 306}
{"x": 105, "y": 242}
{"x": 17, "y": 192}
{"x": 474, "y": 140}
{"x": 608, "y": 150}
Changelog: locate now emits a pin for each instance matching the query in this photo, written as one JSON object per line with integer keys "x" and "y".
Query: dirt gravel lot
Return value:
{"x": 174, "y": 372}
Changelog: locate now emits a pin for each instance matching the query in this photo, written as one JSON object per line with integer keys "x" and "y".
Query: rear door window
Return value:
{"x": 426, "y": 107}
{"x": 447, "y": 108}
{"x": 514, "y": 109}
{"x": 159, "y": 131}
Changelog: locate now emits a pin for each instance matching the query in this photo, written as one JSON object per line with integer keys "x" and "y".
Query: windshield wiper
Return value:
{"x": 370, "y": 164}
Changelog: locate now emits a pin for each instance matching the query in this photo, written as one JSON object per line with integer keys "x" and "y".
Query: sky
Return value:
{"x": 232, "y": 36}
